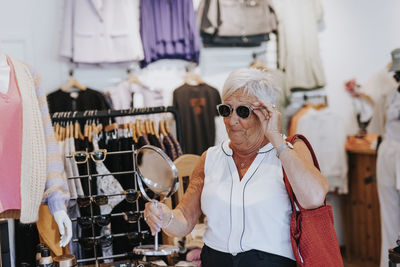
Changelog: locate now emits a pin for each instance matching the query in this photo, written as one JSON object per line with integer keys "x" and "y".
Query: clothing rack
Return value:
{"x": 95, "y": 114}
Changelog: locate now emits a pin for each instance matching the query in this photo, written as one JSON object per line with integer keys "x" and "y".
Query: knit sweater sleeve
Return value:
{"x": 56, "y": 193}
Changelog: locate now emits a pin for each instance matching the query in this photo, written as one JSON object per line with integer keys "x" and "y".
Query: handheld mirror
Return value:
{"x": 155, "y": 172}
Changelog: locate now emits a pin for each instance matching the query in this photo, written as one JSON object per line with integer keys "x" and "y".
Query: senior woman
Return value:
{"x": 239, "y": 186}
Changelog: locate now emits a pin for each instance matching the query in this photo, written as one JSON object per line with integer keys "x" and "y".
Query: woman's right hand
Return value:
{"x": 157, "y": 216}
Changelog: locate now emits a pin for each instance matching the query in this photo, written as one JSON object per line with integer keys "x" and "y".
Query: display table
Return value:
{"x": 362, "y": 227}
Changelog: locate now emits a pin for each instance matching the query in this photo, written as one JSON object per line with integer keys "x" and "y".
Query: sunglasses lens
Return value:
{"x": 106, "y": 241}
{"x": 224, "y": 110}
{"x": 80, "y": 157}
{"x": 87, "y": 243}
{"x": 243, "y": 112}
{"x": 98, "y": 155}
{"x": 131, "y": 195}
{"x": 145, "y": 235}
{"x": 84, "y": 222}
{"x": 133, "y": 237}
{"x": 83, "y": 201}
{"x": 101, "y": 200}
{"x": 103, "y": 220}
{"x": 131, "y": 217}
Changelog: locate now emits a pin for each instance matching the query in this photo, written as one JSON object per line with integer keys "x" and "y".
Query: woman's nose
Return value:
{"x": 233, "y": 118}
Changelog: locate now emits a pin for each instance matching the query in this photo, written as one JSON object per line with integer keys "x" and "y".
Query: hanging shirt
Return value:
{"x": 10, "y": 145}
{"x": 325, "y": 131}
{"x": 132, "y": 95}
{"x": 197, "y": 106}
{"x": 169, "y": 30}
{"x": 298, "y": 45}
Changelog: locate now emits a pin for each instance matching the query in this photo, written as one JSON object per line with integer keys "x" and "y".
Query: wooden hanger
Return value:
{"x": 62, "y": 133}
{"x": 78, "y": 132}
{"x": 132, "y": 78}
{"x": 192, "y": 78}
{"x": 72, "y": 83}
{"x": 161, "y": 128}
{"x": 153, "y": 124}
{"x": 56, "y": 131}
{"x": 67, "y": 131}
{"x": 142, "y": 127}
{"x": 149, "y": 127}
{"x": 111, "y": 127}
{"x": 71, "y": 129}
{"x": 259, "y": 64}
{"x": 132, "y": 128}
{"x": 167, "y": 129}
{"x": 139, "y": 128}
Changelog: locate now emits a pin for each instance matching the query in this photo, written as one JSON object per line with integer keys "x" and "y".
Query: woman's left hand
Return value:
{"x": 270, "y": 118}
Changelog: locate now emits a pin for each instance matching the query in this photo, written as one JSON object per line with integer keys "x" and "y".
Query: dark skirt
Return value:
{"x": 254, "y": 258}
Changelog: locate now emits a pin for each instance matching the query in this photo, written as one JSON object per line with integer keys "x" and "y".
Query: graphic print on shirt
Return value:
{"x": 197, "y": 104}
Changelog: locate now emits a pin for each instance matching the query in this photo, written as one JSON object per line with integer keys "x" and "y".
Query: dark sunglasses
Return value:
{"x": 137, "y": 237}
{"x": 81, "y": 157}
{"x": 89, "y": 242}
{"x": 85, "y": 201}
{"x": 100, "y": 220}
{"x": 132, "y": 216}
{"x": 242, "y": 111}
{"x": 131, "y": 195}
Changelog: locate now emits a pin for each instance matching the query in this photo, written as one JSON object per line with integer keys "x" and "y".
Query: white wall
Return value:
{"x": 356, "y": 42}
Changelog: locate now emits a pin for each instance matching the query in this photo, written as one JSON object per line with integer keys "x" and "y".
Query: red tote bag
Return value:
{"x": 312, "y": 234}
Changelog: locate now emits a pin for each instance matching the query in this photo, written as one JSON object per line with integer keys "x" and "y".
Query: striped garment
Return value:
{"x": 56, "y": 193}
{"x": 42, "y": 172}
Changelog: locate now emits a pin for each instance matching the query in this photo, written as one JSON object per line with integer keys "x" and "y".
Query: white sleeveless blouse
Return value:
{"x": 252, "y": 213}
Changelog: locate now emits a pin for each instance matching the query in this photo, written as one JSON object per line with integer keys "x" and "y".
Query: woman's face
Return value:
{"x": 245, "y": 134}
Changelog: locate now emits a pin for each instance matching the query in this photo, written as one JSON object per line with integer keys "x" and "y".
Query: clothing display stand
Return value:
{"x": 87, "y": 115}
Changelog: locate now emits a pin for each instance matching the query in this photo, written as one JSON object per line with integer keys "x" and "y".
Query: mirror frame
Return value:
{"x": 141, "y": 179}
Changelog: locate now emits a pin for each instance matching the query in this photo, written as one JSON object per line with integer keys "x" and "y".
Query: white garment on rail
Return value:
{"x": 325, "y": 131}
{"x": 298, "y": 45}
{"x": 379, "y": 86}
{"x": 127, "y": 95}
{"x": 252, "y": 213}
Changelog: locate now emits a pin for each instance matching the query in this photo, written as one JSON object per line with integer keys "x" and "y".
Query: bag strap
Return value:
{"x": 289, "y": 189}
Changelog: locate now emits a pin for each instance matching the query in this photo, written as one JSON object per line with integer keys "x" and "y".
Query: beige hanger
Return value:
{"x": 192, "y": 78}
{"x": 154, "y": 129}
{"x": 132, "y": 128}
{"x": 259, "y": 64}
{"x": 72, "y": 83}
{"x": 139, "y": 128}
{"x": 166, "y": 125}
{"x": 111, "y": 127}
{"x": 133, "y": 78}
{"x": 161, "y": 128}
{"x": 78, "y": 132}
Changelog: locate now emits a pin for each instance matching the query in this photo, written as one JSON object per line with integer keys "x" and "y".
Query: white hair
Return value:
{"x": 258, "y": 83}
